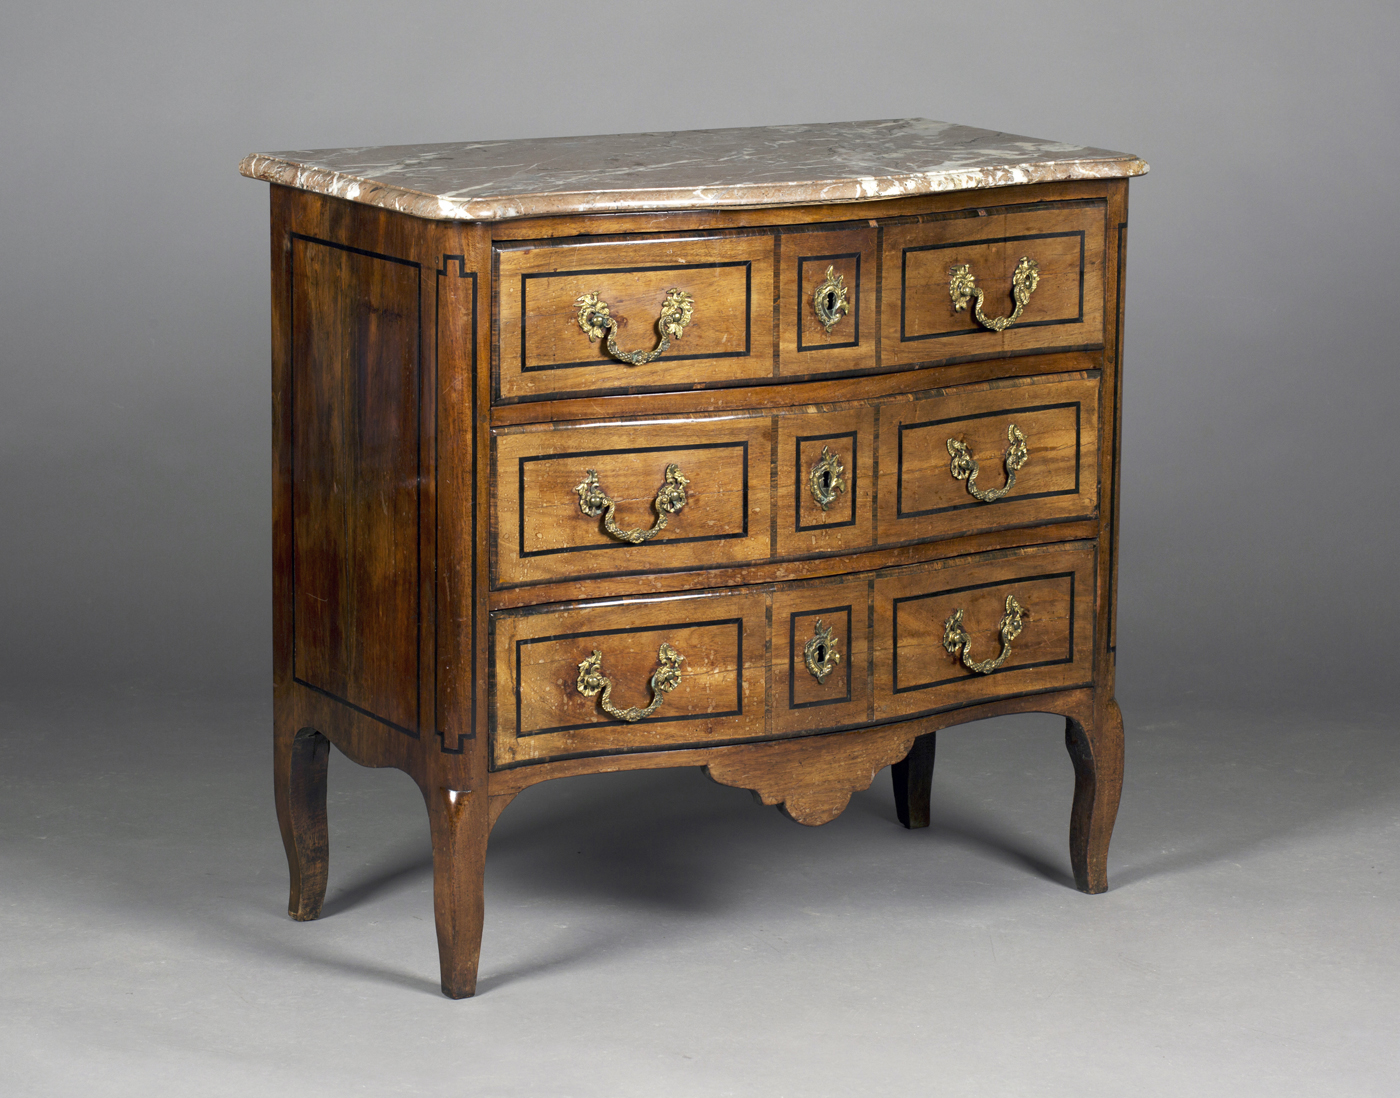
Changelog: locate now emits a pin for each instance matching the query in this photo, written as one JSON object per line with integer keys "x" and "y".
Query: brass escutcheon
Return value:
{"x": 820, "y": 652}
{"x": 964, "y": 466}
{"x": 827, "y": 478}
{"x": 958, "y": 643}
{"x": 829, "y": 300}
{"x": 670, "y": 498}
{"x": 595, "y": 319}
{"x": 666, "y": 677}
{"x": 962, "y": 286}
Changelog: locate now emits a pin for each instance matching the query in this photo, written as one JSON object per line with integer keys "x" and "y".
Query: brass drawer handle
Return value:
{"x": 594, "y": 318}
{"x": 820, "y": 652}
{"x": 670, "y": 498}
{"x": 664, "y": 679}
{"x": 957, "y": 642}
{"x": 827, "y": 478}
{"x": 961, "y": 287}
{"x": 964, "y": 466}
{"x": 829, "y": 300}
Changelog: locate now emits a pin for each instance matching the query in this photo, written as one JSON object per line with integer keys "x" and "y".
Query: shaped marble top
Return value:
{"x": 684, "y": 170}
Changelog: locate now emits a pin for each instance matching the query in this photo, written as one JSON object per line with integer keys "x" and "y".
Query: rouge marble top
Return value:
{"x": 695, "y": 169}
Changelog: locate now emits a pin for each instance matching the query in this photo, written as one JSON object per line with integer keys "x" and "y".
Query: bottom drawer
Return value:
{"x": 712, "y": 668}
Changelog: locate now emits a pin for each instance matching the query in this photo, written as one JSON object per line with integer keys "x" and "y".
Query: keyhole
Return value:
{"x": 826, "y": 482}
{"x": 830, "y": 301}
{"x": 821, "y": 653}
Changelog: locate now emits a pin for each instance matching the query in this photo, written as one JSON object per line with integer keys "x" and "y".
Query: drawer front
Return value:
{"x": 791, "y": 659}
{"x": 984, "y": 458}
{"x": 920, "y": 323}
{"x": 917, "y": 608}
{"x": 827, "y": 318}
{"x": 539, "y": 711}
{"x": 542, "y": 532}
{"x": 543, "y": 351}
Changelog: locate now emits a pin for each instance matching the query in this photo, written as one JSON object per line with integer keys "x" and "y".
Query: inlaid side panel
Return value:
{"x": 355, "y": 478}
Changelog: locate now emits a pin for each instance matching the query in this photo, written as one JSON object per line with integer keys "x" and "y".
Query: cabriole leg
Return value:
{"x": 913, "y": 780}
{"x": 1096, "y": 748}
{"x": 459, "y": 827}
{"x": 300, "y": 758}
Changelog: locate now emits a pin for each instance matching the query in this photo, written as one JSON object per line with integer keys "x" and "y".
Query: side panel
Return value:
{"x": 355, "y": 476}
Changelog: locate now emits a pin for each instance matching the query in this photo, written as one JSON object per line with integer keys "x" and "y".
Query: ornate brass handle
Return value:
{"x": 667, "y": 676}
{"x": 827, "y": 478}
{"x": 594, "y": 318}
{"x": 961, "y": 287}
{"x": 820, "y": 652}
{"x": 964, "y": 466}
{"x": 829, "y": 300}
{"x": 670, "y": 498}
{"x": 958, "y": 643}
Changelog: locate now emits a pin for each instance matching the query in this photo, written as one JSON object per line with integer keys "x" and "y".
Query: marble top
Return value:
{"x": 685, "y": 170}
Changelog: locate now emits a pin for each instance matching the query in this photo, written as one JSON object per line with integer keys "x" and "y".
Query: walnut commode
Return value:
{"x": 771, "y": 455}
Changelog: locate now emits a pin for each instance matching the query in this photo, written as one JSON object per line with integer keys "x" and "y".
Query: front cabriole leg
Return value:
{"x": 460, "y": 824}
{"x": 1095, "y": 746}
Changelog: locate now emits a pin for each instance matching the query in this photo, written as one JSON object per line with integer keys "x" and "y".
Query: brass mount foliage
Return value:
{"x": 820, "y": 652}
{"x": 827, "y": 478}
{"x": 670, "y": 498}
{"x": 595, "y": 319}
{"x": 964, "y": 466}
{"x": 666, "y": 677}
{"x": 829, "y": 299}
{"x": 958, "y": 643}
{"x": 962, "y": 286}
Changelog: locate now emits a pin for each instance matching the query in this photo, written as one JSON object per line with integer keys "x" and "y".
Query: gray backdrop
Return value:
{"x": 1258, "y": 527}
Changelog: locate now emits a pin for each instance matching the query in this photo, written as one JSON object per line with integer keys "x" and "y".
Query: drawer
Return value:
{"x": 542, "y": 349}
{"x": 922, "y": 611}
{"x": 981, "y": 458}
{"x": 827, "y": 314}
{"x": 710, "y": 668}
{"x": 716, "y": 694}
{"x": 718, "y": 467}
{"x": 920, "y": 323}
{"x": 790, "y": 483}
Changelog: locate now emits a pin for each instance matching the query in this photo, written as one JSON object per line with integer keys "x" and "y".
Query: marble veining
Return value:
{"x": 695, "y": 169}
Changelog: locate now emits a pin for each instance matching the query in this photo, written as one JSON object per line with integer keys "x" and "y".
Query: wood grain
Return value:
{"x": 355, "y": 473}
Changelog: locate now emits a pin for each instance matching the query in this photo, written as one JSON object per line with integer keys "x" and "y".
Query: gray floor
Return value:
{"x": 654, "y": 934}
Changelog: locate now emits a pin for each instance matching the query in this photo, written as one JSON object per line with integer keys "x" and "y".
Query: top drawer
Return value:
{"x": 920, "y": 319}
{"x": 543, "y": 350}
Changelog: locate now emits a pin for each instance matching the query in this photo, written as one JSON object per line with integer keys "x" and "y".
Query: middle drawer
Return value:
{"x": 642, "y": 497}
